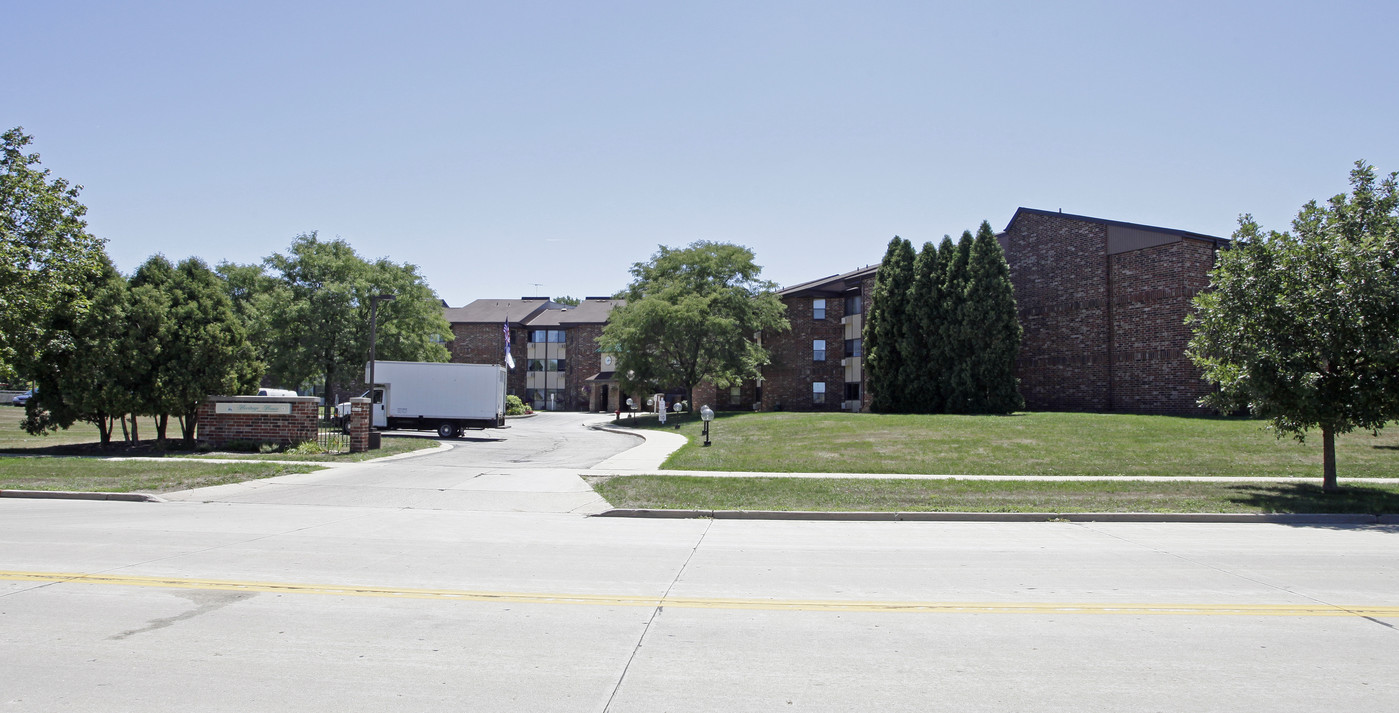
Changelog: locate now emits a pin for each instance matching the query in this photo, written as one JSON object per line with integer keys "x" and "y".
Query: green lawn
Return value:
{"x": 72, "y": 460}
{"x": 1019, "y": 444}
{"x": 128, "y": 476}
{"x": 82, "y": 439}
{"x": 906, "y": 495}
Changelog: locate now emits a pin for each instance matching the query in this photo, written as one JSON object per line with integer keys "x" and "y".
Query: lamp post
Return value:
{"x": 707, "y": 415}
{"x": 373, "y": 337}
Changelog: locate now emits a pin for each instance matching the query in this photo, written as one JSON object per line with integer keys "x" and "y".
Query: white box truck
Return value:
{"x": 431, "y": 396}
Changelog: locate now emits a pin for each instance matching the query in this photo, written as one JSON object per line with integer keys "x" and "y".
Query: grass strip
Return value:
{"x": 105, "y": 476}
{"x": 1038, "y": 443}
{"x": 910, "y": 495}
{"x": 390, "y": 445}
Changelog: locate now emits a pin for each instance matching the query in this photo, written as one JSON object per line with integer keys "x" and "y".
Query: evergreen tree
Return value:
{"x": 885, "y": 327}
{"x": 957, "y": 328}
{"x": 924, "y": 357}
{"x": 994, "y": 343}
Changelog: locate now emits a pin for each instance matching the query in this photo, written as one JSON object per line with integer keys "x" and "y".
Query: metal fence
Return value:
{"x": 331, "y": 436}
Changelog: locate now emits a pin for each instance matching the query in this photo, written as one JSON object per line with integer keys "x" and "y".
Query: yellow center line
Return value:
{"x": 804, "y": 605}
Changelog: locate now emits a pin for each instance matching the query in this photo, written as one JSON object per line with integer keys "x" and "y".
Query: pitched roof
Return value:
{"x": 1122, "y": 224}
{"x": 589, "y": 311}
{"x": 498, "y": 311}
{"x": 834, "y": 284}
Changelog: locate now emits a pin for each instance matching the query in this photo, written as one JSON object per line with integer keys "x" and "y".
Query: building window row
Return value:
{"x": 546, "y": 336}
{"x": 547, "y": 364}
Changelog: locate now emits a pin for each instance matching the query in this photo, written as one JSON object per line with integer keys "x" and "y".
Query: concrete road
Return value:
{"x": 532, "y": 466}
{"x": 110, "y": 606}
{"x": 413, "y": 585}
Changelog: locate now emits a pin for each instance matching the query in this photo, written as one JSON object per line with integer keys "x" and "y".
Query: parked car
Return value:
{"x": 23, "y": 398}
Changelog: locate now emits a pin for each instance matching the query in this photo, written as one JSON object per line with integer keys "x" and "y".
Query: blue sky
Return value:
{"x": 500, "y": 145}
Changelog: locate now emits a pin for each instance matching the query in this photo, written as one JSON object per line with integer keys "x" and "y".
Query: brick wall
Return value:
{"x": 788, "y": 378}
{"x": 1103, "y": 333}
{"x": 583, "y": 360}
{"x": 219, "y": 429}
{"x": 1152, "y": 291}
{"x": 1059, "y": 271}
{"x": 476, "y": 343}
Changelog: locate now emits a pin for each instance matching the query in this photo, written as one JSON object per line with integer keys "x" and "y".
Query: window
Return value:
{"x": 852, "y": 348}
{"x": 818, "y": 308}
{"x": 735, "y": 395}
{"x": 854, "y": 304}
{"x": 818, "y": 350}
{"x": 852, "y": 391}
{"x": 818, "y": 392}
{"x": 544, "y": 399}
{"x": 546, "y": 336}
{"x": 535, "y": 365}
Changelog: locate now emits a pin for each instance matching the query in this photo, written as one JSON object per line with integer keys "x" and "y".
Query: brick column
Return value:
{"x": 359, "y": 424}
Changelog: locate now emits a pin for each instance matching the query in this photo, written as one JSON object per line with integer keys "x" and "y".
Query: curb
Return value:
{"x": 75, "y": 495}
{"x": 609, "y": 428}
{"x": 1281, "y": 519}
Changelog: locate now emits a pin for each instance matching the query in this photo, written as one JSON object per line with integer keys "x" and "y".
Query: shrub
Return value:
{"x": 514, "y": 406}
{"x": 306, "y": 448}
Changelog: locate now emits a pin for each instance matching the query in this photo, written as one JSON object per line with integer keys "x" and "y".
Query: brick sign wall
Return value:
{"x": 257, "y": 419}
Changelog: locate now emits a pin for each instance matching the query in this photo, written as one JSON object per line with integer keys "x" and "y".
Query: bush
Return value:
{"x": 514, "y": 406}
{"x": 306, "y": 448}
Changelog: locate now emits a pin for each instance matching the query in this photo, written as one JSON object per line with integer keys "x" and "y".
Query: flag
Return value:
{"x": 509, "y": 360}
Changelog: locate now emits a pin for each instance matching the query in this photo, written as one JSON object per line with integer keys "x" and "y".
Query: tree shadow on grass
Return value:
{"x": 146, "y": 449}
{"x": 1308, "y": 498}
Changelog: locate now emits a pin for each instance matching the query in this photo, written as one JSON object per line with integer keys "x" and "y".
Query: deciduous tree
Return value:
{"x": 318, "y": 325}
{"x": 47, "y": 257}
{"x": 82, "y": 365}
{"x": 1302, "y": 327}
{"x": 691, "y": 316}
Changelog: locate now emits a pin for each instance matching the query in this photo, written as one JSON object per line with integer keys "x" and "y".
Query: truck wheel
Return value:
{"x": 447, "y": 430}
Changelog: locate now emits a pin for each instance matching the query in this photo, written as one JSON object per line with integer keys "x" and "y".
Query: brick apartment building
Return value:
{"x": 819, "y": 364}
{"x": 1102, "y": 303}
{"x": 1103, "y": 306}
{"x": 558, "y": 365}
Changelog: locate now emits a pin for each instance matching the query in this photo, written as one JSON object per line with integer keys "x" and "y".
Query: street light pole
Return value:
{"x": 373, "y": 337}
